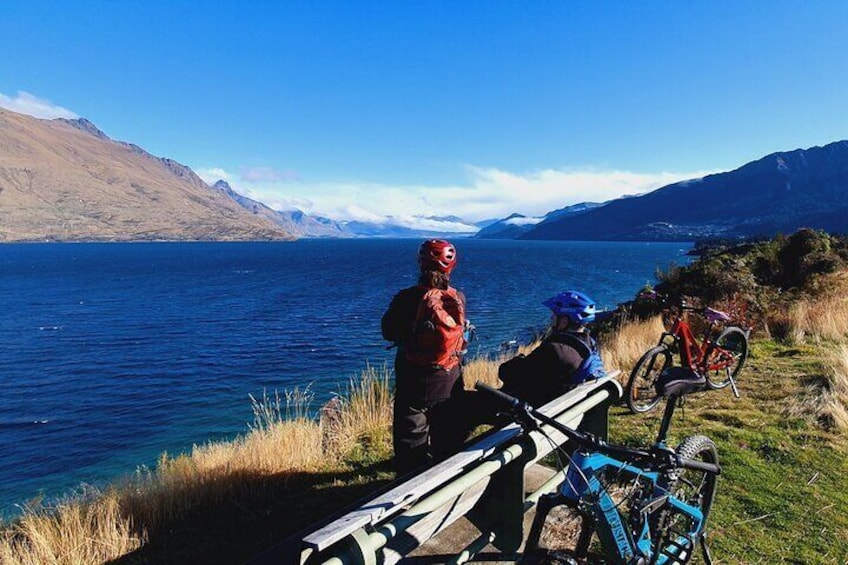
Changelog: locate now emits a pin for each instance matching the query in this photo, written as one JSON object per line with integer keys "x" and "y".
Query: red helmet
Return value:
{"x": 437, "y": 254}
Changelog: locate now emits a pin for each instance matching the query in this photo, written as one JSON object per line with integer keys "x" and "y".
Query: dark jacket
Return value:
{"x": 545, "y": 373}
{"x": 415, "y": 385}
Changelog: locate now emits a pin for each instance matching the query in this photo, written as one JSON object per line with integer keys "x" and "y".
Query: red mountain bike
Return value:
{"x": 718, "y": 357}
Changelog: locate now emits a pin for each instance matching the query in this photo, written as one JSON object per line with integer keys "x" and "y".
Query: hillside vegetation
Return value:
{"x": 783, "y": 445}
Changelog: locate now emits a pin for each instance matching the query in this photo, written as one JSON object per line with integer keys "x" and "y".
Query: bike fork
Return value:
{"x": 543, "y": 507}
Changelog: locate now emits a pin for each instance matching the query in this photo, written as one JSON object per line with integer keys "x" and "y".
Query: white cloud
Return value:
{"x": 497, "y": 193}
{"x": 488, "y": 193}
{"x": 26, "y": 103}
{"x": 213, "y": 175}
{"x": 267, "y": 174}
{"x": 523, "y": 221}
{"x": 424, "y": 223}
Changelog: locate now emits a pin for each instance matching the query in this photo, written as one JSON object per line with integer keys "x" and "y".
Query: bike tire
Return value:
{"x": 731, "y": 342}
{"x": 641, "y": 394}
{"x": 696, "y": 488}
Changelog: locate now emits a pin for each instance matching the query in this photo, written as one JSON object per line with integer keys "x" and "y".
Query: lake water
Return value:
{"x": 115, "y": 353}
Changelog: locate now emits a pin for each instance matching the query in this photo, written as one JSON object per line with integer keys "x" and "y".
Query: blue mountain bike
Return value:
{"x": 646, "y": 506}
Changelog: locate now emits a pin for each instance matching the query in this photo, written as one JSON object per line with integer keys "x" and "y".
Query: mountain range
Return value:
{"x": 517, "y": 225}
{"x": 779, "y": 193}
{"x": 293, "y": 221}
{"x": 65, "y": 180}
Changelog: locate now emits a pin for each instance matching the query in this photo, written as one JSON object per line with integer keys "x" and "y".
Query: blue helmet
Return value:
{"x": 574, "y": 305}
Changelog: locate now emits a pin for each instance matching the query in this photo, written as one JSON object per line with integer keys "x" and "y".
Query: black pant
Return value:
{"x": 425, "y": 429}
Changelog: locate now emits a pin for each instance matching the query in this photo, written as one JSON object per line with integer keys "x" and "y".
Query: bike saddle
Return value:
{"x": 679, "y": 381}
{"x": 713, "y": 316}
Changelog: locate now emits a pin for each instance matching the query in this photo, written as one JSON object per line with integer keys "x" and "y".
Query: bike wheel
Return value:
{"x": 695, "y": 488}
{"x": 725, "y": 357}
{"x": 640, "y": 391}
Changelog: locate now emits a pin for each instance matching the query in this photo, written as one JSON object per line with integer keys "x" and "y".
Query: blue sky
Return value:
{"x": 360, "y": 109}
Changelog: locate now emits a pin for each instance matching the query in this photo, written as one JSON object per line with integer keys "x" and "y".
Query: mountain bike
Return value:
{"x": 646, "y": 506}
{"x": 718, "y": 357}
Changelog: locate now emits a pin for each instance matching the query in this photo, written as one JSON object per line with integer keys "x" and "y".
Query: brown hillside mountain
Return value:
{"x": 64, "y": 180}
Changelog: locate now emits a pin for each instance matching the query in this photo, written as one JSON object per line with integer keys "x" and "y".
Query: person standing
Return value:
{"x": 426, "y": 322}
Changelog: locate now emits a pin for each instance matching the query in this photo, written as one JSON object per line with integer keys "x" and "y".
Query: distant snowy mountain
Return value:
{"x": 486, "y": 223}
{"x": 510, "y": 227}
{"x": 414, "y": 227}
{"x": 517, "y": 225}
{"x": 296, "y": 222}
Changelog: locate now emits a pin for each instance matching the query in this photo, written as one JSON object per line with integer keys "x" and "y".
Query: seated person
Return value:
{"x": 567, "y": 357}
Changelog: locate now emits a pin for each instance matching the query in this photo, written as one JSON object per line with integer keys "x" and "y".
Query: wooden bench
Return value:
{"x": 484, "y": 481}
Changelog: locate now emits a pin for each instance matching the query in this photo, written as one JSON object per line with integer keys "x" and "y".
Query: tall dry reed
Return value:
{"x": 360, "y": 415}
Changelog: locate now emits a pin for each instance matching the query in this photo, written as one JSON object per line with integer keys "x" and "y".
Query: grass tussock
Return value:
{"x": 821, "y": 318}
{"x": 73, "y": 532}
{"x": 824, "y": 397}
{"x": 482, "y": 369}
{"x": 360, "y": 418}
{"x": 624, "y": 346}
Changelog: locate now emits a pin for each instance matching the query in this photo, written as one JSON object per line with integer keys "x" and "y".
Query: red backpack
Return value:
{"x": 437, "y": 335}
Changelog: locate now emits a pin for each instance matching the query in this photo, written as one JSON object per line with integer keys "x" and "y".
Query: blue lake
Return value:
{"x": 115, "y": 353}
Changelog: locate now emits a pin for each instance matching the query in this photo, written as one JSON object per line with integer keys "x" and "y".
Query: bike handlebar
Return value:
{"x": 696, "y": 465}
{"x": 522, "y": 412}
{"x": 501, "y": 395}
{"x": 665, "y": 299}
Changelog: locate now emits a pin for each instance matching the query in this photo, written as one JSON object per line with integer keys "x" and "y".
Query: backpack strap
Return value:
{"x": 592, "y": 366}
{"x": 585, "y": 349}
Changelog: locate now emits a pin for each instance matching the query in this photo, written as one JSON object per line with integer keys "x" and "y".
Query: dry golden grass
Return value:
{"x": 99, "y": 527}
{"x": 628, "y": 342}
{"x": 823, "y": 318}
{"x": 72, "y": 533}
{"x": 825, "y": 397}
{"x": 361, "y": 416}
{"x": 485, "y": 369}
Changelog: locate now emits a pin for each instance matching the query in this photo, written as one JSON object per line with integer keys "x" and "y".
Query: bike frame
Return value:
{"x": 693, "y": 354}
{"x": 589, "y": 497}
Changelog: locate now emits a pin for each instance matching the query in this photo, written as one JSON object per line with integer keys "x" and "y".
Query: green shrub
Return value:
{"x": 760, "y": 277}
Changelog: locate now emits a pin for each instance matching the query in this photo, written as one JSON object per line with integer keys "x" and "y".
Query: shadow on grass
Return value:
{"x": 234, "y": 525}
